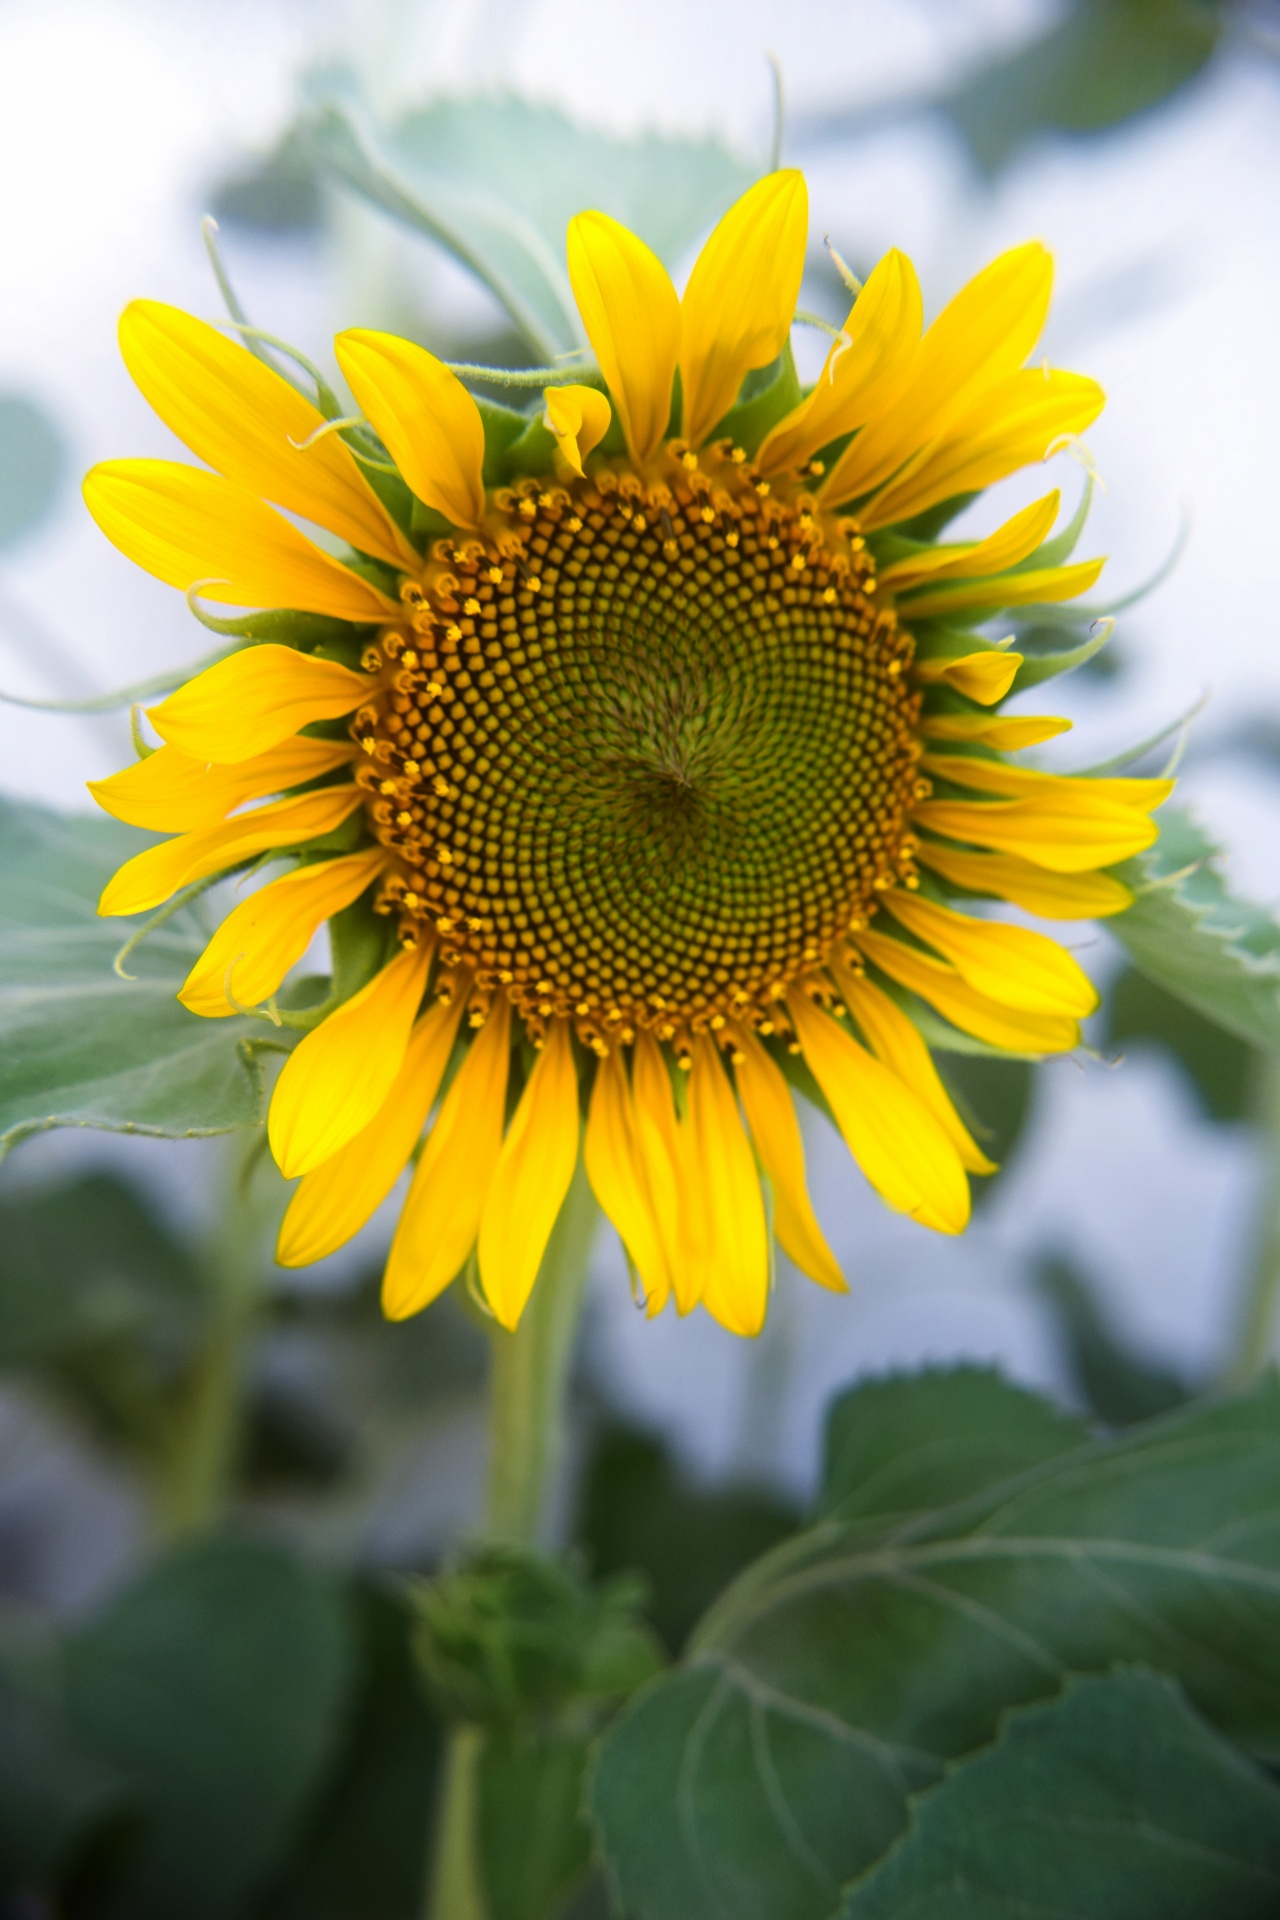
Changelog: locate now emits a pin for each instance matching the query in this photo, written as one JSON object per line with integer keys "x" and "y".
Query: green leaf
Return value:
{"x": 1120, "y": 1385}
{"x": 1115, "y": 1802}
{"x": 639, "y": 1514}
{"x": 840, "y": 1674}
{"x": 535, "y": 1840}
{"x": 54, "y": 1797}
{"x": 994, "y": 1097}
{"x": 1191, "y": 936}
{"x": 1108, "y": 62}
{"x": 1219, "y": 1068}
{"x": 900, "y": 1447}
{"x": 83, "y": 1048}
{"x": 362, "y": 1853}
{"x": 32, "y": 461}
{"x": 277, "y": 194}
{"x": 215, "y": 1685}
{"x": 496, "y": 182}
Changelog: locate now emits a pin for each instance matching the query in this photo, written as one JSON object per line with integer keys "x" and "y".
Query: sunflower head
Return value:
{"x": 645, "y": 754}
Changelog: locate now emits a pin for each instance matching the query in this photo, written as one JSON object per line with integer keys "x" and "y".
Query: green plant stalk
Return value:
{"x": 528, "y": 1390}
{"x": 197, "y": 1473}
{"x": 1256, "y": 1345}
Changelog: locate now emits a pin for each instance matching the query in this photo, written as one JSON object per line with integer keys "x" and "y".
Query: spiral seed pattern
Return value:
{"x": 645, "y": 759}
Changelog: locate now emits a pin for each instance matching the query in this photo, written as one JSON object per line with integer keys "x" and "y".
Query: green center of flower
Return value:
{"x": 648, "y": 771}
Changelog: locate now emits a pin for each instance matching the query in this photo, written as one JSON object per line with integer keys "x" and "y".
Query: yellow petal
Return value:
{"x": 618, "y": 1180}
{"x": 1055, "y": 896}
{"x": 632, "y": 319}
{"x": 975, "y": 344}
{"x": 1015, "y": 425}
{"x": 530, "y": 1180}
{"x": 735, "y": 1286}
{"x": 660, "y": 1156}
{"x": 866, "y": 367}
{"x": 1012, "y": 965}
{"x": 268, "y": 933}
{"x": 938, "y": 982}
{"x": 771, "y": 1116}
{"x": 1007, "y": 731}
{"x": 579, "y": 418}
{"x": 889, "y": 1131}
{"x": 1009, "y": 544}
{"x": 333, "y": 1203}
{"x": 1069, "y": 789}
{"x": 172, "y": 793}
{"x": 897, "y": 1041}
{"x": 249, "y": 423}
{"x": 1037, "y": 587}
{"x": 196, "y": 530}
{"x": 985, "y": 677}
{"x": 151, "y": 877}
{"x": 253, "y": 700}
{"x": 424, "y": 417}
{"x": 738, "y": 307}
{"x": 1047, "y": 831}
{"x": 442, "y": 1213}
{"x": 340, "y": 1073}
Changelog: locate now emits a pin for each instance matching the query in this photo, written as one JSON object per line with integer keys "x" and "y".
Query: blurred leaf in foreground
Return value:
{"x": 32, "y": 461}
{"x": 1218, "y": 1065}
{"x": 1106, "y": 63}
{"x": 839, "y": 1675}
{"x": 81, "y": 1046}
{"x": 1114, "y": 1801}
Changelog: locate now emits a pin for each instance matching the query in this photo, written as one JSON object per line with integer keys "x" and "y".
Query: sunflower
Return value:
{"x": 644, "y": 754}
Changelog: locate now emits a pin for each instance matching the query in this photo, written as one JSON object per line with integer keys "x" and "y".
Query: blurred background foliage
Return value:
{"x": 246, "y": 1717}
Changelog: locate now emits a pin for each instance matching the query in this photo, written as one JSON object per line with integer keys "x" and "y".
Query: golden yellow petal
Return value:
{"x": 660, "y": 1157}
{"x": 252, "y": 701}
{"x": 738, "y": 307}
{"x": 1009, "y": 732}
{"x": 340, "y": 1073}
{"x": 975, "y": 344}
{"x": 938, "y": 982}
{"x": 771, "y": 1116}
{"x": 632, "y": 319}
{"x": 1038, "y": 586}
{"x": 151, "y": 877}
{"x": 579, "y": 418}
{"x": 1015, "y": 425}
{"x": 200, "y": 532}
{"x": 1054, "y": 896}
{"x": 424, "y": 417}
{"x": 735, "y": 1287}
{"x": 246, "y": 421}
{"x": 1047, "y": 831}
{"x": 618, "y": 1180}
{"x": 1013, "y": 965}
{"x": 268, "y": 933}
{"x": 888, "y": 1129}
{"x": 442, "y": 1213}
{"x": 985, "y": 677}
{"x": 865, "y": 369}
{"x": 334, "y": 1202}
{"x": 1009, "y": 544}
{"x": 172, "y": 793}
{"x": 530, "y": 1180}
{"x": 897, "y": 1041}
{"x": 1075, "y": 790}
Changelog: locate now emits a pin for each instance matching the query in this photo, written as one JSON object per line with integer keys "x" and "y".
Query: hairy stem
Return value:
{"x": 1262, "y": 1299}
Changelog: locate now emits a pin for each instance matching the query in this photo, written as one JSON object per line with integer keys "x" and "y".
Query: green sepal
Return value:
{"x": 936, "y": 640}
{"x": 533, "y": 449}
{"x": 1041, "y": 660}
{"x": 926, "y": 526}
{"x": 426, "y": 525}
{"x": 360, "y": 944}
{"x": 1189, "y": 934}
{"x": 767, "y": 396}
{"x": 394, "y": 494}
{"x": 503, "y": 427}
{"x": 309, "y": 632}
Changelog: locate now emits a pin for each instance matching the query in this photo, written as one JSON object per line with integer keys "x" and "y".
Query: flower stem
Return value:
{"x": 1258, "y": 1320}
{"x": 197, "y": 1475}
{"x": 528, "y": 1389}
